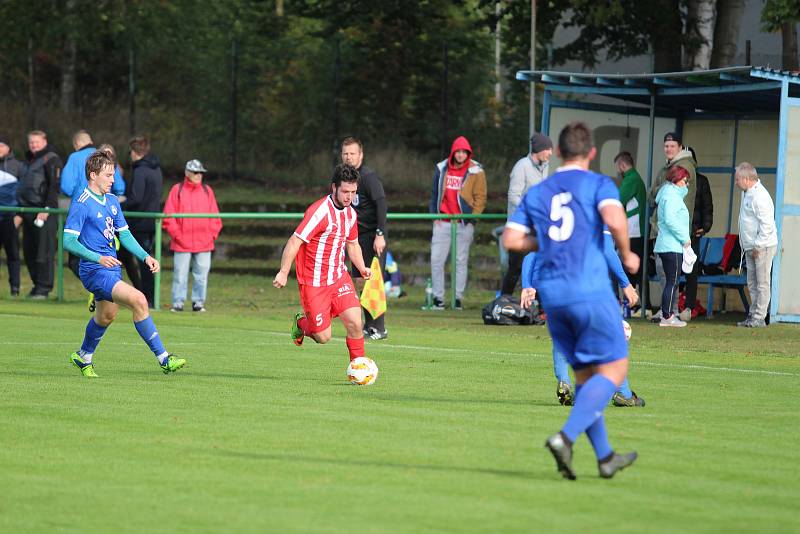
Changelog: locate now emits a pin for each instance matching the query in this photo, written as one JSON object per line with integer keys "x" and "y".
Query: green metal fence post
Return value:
{"x": 157, "y": 277}
{"x": 453, "y": 264}
{"x": 60, "y": 264}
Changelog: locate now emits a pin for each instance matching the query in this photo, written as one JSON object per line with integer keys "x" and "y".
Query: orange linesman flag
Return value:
{"x": 373, "y": 297}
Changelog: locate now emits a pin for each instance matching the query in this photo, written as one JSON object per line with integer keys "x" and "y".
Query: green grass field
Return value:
{"x": 258, "y": 435}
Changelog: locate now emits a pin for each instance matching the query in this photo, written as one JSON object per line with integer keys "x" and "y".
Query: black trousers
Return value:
{"x": 9, "y": 238}
{"x": 690, "y": 287}
{"x": 39, "y": 249}
{"x": 513, "y": 272}
{"x": 139, "y": 273}
{"x": 366, "y": 241}
{"x": 637, "y": 246}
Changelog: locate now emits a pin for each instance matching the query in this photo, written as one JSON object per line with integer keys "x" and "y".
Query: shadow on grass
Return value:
{"x": 391, "y": 465}
{"x": 510, "y": 402}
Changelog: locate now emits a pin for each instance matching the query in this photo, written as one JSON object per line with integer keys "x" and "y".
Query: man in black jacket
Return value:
{"x": 702, "y": 221}
{"x": 10, "y": 170}
{"x": 370, "y": 206}
{"x": 38, "y": 188}
{"x": 143, "y": 193}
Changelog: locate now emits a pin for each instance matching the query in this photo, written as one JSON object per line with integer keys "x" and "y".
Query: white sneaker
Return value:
{"x": 686, "y": 315}
{"x": 655, "y": 317}
{"x": 672, "y": 321}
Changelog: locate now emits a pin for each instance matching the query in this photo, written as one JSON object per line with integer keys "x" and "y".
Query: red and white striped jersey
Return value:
{"x": 324, "y": 231}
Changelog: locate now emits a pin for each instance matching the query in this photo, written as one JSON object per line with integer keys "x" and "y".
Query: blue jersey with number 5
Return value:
{"x": 564, "y": 212}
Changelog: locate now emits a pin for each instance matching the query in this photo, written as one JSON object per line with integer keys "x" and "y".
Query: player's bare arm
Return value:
{"x": 354, "y": 253}
{"x": 616, "y": 220}
{"x": 519, "y": 241}
{"x": 153, "y": 264}
{"x": 287, "y": 258}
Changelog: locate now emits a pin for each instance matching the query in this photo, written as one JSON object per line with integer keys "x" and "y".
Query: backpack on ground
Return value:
{"x": 506, "y": 311}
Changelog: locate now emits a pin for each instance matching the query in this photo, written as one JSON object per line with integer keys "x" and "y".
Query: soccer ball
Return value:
{"x": 627, "y": 329}
{"x": 362, "y": 371}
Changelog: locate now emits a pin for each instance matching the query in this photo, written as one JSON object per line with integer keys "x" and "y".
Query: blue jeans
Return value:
{"x": 200, "y": 263}
{"x": 672, "y": 270}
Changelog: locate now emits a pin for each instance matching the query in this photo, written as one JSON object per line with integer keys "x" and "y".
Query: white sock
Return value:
{"x": 162, "y": 358}
{"x": 86, "y": 356}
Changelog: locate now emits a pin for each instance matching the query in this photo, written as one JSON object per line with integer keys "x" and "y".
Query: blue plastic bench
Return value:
{"x": 711, "y": 249}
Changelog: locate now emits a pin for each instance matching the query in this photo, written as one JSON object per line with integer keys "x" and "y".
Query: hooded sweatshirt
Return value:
{"x": 673, "y": 219}
{"x": 458, "y": 190}
{"x": 143, "y": 192}
{"x": 682, "y": 159}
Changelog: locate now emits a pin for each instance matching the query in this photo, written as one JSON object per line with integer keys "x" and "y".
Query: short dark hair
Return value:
{"x": 575, "y": 140}
{"x": 140, "y": 144}
{"x": 97, "y": 162}
{"x": 625, "y": 157}
{"x": 344, "y": 173}
{"x": 352, "y": 141}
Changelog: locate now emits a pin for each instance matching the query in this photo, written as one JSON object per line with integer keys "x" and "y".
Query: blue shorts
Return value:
{"x": 99, "y": 280}
{"x": 588, "y": 333}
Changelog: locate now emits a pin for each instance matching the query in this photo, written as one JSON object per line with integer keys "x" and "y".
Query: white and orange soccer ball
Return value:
{"x": 362, "y": 371}
{"x": 626, "y": 327}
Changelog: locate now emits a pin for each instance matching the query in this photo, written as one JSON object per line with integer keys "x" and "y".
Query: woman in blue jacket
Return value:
{"x": 673, "y": 236}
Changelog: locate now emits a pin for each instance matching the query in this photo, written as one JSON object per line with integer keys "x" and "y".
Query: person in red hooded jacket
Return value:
{"x": 459, "y": 187}
{"x": 192, "y": 239}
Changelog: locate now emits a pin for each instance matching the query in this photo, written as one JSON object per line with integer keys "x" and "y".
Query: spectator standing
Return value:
{"x": 10, "y": 170}
{"x": 673, "y": 238}
{"x": 677, "y": 156}
{"x": 144, "y": 194}
{"x": 192, "y": 239}
{"x": 73, "y": 178}
{"x": 459, "y": 186}
{"x": 370, "y": 206}
{"x": 702, "y": 221}
{"x": 758, "y": 237}
{"x": 38, "y": 188}
{"x": 633, "y": 195}
{"x": 527, "y": 172}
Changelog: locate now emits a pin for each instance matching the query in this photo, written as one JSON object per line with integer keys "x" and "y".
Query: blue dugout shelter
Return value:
{"x": 727, "y": 115}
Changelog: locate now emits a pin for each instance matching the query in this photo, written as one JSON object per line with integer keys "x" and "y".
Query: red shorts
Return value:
{"x": 320, "y": 304}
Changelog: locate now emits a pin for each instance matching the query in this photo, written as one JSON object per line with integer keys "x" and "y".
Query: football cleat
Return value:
{"x": 562, "y": 452}
{"x": 619, "y": 400}
{"x": 297, "y": 332}
{"x": 87, "y": 369}
{"x": 172, "y": 364}
{"x": 617, "y": 462}
{"x": 91, "y": 303}
{"x": 374, "y": 333}
{"x": 564, "y": 393}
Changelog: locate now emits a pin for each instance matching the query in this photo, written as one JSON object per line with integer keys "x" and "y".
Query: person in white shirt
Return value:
{"x": 758, "y": 237}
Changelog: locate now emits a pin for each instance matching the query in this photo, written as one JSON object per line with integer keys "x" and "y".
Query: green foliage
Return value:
{"x": 776, "y": 13}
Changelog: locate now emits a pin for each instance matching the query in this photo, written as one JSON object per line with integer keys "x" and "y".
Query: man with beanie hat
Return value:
{"x": 526, "y": 173}
{"x": 459, "y": 186}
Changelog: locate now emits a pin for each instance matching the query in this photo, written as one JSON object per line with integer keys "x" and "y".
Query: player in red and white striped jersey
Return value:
{"x": 317, "y": 248}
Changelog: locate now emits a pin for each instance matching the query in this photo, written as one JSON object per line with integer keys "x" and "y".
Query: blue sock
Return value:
{"x": 94, "y": 333}
{"x": 599, "y": 438}
{"x": 625, "y": 389}
{"x": 589, "y": 406}
{"x": 560, "y": 366}
{"x": 147, "y": 331}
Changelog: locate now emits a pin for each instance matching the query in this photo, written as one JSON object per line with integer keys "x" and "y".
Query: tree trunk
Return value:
{"x": 68, "y": 75}
{"x": 726, "y": 32}
{"x": 31, "y": 85}
{"x": 700, "y": 33}
{"x": 667, "y": 37}
{"x": 789, "y": 57}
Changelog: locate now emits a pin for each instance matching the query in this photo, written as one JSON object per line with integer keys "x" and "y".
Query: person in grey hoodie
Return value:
{"x": 10, "y": 170}
{"x": 673, "y": 238}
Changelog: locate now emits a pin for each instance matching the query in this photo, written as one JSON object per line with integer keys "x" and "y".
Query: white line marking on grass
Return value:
{"x": 712, "y": 368}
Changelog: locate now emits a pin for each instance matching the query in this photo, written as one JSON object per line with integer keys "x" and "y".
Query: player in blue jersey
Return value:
{"x": 94, "y": 216}
{"x": 563, "y": 219}
{"x": 624, "y": 396}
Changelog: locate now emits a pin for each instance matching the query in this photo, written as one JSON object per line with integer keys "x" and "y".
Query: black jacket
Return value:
{"x": 143, "y": 192}
{"x": 371, "y": 204}
{"x": 703, "y": 216}
{"x": 47, "y": 192}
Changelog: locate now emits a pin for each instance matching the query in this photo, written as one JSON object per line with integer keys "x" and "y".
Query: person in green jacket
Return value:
{"x": 633, "y": 195}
